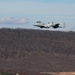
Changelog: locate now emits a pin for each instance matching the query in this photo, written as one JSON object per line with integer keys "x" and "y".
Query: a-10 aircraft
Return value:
{"x": 52, "y": 24}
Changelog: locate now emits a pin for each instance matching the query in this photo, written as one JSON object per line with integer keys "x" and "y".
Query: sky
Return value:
{"x": 24, "y": 13}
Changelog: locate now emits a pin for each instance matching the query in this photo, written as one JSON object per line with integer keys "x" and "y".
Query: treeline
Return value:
{"x": 36, "y": 50}
{"x": 17, "y": 42}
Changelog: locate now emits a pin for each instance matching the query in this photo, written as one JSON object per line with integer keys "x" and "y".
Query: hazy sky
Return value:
{"x": 24, "y": 13}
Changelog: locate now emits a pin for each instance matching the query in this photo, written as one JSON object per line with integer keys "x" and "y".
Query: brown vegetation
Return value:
{"x": 36, "y": 50}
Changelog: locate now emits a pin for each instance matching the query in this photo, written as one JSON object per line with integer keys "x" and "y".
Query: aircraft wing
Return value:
{"x": 41, "y": 26}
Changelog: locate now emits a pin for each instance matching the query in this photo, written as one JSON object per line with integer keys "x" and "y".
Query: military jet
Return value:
{"x": 48, "y": 25}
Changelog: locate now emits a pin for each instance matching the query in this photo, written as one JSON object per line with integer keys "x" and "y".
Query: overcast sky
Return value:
{"x": 24, "y": 13}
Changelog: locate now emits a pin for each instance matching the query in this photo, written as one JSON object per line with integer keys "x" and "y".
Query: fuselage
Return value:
{"x": 48, "y": 25}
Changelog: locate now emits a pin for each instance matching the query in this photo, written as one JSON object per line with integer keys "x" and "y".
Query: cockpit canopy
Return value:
{"x": 38, "y": 22}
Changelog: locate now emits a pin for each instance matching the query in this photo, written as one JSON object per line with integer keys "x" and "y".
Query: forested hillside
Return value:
{"x": 37, "y": 50}
{"x": 14, "y": 41}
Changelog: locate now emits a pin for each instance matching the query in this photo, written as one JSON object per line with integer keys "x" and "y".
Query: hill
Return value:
{"x": 36, "y": 50}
